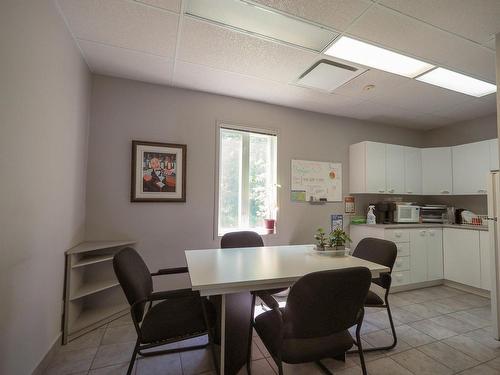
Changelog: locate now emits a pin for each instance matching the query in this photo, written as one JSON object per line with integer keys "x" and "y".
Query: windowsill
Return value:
{"x": 260, "y": 231}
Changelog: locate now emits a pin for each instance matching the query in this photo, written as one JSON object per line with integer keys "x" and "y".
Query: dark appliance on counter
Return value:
{"x": 434, "y": 213}
{"x": 384, "y": 212}
{"x": 458, "y": 215}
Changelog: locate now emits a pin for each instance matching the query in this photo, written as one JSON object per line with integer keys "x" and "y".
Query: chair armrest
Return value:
{"x": 268, "y": 299}
{"x": 170, "y": 271}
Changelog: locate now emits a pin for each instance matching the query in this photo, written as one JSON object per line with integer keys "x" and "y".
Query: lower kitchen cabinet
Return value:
{"x": 462, "y": 260}
{"x": 485, "y": 253}
{"x": 426, "y": 255}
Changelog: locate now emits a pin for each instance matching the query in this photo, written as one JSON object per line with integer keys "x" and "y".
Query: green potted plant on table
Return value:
{"x": 321, "y": 239}
{"x": 338, "y": 239}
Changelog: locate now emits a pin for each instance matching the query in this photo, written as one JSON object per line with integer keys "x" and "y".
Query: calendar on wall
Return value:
{"x": 316, "y": 181}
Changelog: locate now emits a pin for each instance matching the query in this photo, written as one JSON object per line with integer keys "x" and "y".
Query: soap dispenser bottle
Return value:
{"x": 370, "y": 217}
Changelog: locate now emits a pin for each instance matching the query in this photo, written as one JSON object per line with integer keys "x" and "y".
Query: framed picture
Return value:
{"x": 158, "y": 172}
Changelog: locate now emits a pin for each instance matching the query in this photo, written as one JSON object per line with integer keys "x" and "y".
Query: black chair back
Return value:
{"x": 241, "y": 239}
{"x": 326, "y": 302}
{"x": 134, "y": 277}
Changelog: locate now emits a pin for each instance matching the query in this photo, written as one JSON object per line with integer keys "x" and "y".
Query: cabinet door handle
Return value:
{"x": 409, "y": 192}
{"x": 445, "y": 192}
{"x": 381, "y": 191}
{"x": 481, "y": 191}
{"x": 422, "y": 232}
{"x": 391, "y": 190}
{"x": 397, "y": 234}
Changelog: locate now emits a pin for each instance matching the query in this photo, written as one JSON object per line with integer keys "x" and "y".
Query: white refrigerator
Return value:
{"x": 493, "y": 229}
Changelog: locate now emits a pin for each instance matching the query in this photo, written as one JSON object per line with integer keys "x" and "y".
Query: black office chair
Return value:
{"x": 181, "y": 314}
{"x": 385, "y": 253}
{"x": 314, "y": 324}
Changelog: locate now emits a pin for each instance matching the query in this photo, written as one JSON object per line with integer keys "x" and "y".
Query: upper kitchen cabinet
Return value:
{"x": 367, "y": 167}
{"x": 437, "y": 171}
{"x": 471, "y": 166}
{"x": 413, "y": 170}
{"x": 493, "y": 143}
{"x": 395, "y": 169}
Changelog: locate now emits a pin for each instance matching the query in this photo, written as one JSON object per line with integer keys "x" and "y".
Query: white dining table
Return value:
{"x": 232, "y": 274}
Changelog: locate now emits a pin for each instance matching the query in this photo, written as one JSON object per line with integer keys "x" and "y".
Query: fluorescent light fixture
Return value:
{"x": 327, "y": 75}
{"x": 458, "y": 82}
{"x": 375, "y": 57}
{"x": 262, "y": 21}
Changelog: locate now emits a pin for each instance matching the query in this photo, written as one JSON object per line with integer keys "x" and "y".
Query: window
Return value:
{"x": 247, "y": 179}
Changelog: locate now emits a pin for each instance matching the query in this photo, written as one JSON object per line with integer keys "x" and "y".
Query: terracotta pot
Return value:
{"x": 269, "y": 225}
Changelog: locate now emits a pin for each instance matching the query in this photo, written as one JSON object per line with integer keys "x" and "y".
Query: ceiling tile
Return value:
{"x": 383, "y": 82}
{"x": 472, "y": 109}
{"x": 202, "y": 78}
{"x": 490, "y": 44}
{"x": 337, "y": 14}
{"x": 476, "y": 20}
{"x": 125, "y": 63}
{"x": 419, "y": 97}
{"x": 225, "y": 49}
{"x": 124, "y": 24}
{"x": 172, "y": 5}
{"x": 407, "y": 35}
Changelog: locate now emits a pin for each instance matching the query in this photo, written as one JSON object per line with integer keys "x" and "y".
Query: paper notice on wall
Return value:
{"x": 316, "y": 181}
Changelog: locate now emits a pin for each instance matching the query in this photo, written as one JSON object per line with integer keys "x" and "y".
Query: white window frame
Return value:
{"x": 266, "y": 131}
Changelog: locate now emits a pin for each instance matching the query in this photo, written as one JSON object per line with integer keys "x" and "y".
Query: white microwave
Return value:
{"x": 406, "y": 214}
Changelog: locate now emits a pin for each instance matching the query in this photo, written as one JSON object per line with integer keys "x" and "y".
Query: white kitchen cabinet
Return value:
{"x": 412, "y": 170}
{"x": 471, "y": 167}
{"x": 435, "y": 264}
{"x": 426, "y": 254}
{"x": 437, "y": 171}
{"x": 395, "y": 169}
{"x": 462, "y": 256}
{"x": 493, "y": 146}
{"x": 367, "y": 167}
{"x": 485, "y": 253}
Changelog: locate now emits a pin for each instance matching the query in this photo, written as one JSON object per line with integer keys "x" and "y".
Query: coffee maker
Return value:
{"x": 384, "y": 212}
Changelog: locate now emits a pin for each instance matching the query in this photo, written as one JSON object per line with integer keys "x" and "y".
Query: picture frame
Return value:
{"x": 158, "y": 172}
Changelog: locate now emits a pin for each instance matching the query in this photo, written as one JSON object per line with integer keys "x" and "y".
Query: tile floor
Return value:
{"x": 441, "y": 330}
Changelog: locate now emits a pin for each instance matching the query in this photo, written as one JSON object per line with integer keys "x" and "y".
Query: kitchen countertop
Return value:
{"x": 424, "y": 225}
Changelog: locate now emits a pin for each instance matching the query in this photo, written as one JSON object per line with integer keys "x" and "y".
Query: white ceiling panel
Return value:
{"x": 476, "y": 20}
{"x": 337, "y": 14}
{"x": 225, "y": 49}
{"x": 202, "y": 78}
{"x": 125, "y": 63}
{"x": 172, "y": 5}
{"x": 419, "y": 97}
{"x": 384, "y": 83}
{"x": 122, "y": 23}
{"x": 408, "y": 35}
{"x": 471, "y": 109}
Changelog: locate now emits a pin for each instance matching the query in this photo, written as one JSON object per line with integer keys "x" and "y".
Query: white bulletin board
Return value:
{"x": 320, "y": 180}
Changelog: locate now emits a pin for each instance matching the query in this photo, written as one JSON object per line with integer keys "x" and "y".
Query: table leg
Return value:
{"x": 235, "y": 314}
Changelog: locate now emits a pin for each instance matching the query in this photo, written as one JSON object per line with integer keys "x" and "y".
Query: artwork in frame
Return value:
{"x": 158, "y": 172}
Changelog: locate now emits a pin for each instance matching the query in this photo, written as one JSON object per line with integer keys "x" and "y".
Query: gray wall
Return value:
{"x": 124, "y": 110}
{"x": 44, "y": 104}
{"x": 462, "y": 132}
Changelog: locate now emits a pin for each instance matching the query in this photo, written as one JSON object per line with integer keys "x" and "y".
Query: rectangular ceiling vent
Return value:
{"x": 328, "y": 75}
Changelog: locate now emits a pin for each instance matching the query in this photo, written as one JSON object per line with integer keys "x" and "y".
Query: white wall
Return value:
{"x": 124, "y": 110}
{"x": 44, "y": 104}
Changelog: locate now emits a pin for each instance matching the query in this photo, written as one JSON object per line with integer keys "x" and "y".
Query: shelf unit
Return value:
{"x": 92, "y": 295}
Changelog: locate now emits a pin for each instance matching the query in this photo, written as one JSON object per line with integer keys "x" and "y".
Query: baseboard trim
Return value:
{"x": 468, "y": 289}
{"x": 425, "y": 284}
{"x": 44, "y": 362}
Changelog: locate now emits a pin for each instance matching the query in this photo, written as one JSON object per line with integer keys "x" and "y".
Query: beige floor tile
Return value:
{"x": 405, "y": 316}
{"x": 425, "y": 310}
{"x": 383, "y": 338}
{"x": 336, "y": 365}
{"x": 125, "y": 319}
{"x": 69, "y": 362}
{"x": 89, "y": 340}
{"x": 495, "y": 363}
{"x": 468, "y": 317}
{"x": 398, "y": 300}
{"x": 452, "y": 304}
{"x": 453, "y": 324}
{"x": 369, "y": 356}
{"x": 302, "y": 369}
{"x": 196, "y": 361}
{"x": 257, "y": 340}
{"x": 256, "y": 353}
{"x": 432, "y": 329}
{"x": 169, "y": 364}
{"x": 380, "y": 319}
{"x": 472, "y": 348}
{"x": 448, "y": 356}
{"x": 119, "y": 334}
{"x": 260, "y": 367}
{"x": 482, "y": 312}
{"x": 484, "y": 336}
{"x": 480, "y": 370}
{"x": 473, "y": 300}
{"x": 350, "y": 371}
{"x": 113, "y": 370}
{"x": 386, "y": 366}
{"x": 113, "y": 354}
{"x": 412, "y": 336}
{"x": 365, "y": 329}
{"x": 419, "y": 363}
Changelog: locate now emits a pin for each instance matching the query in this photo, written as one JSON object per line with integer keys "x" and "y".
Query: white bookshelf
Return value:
{"x": 92, "y": 296}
